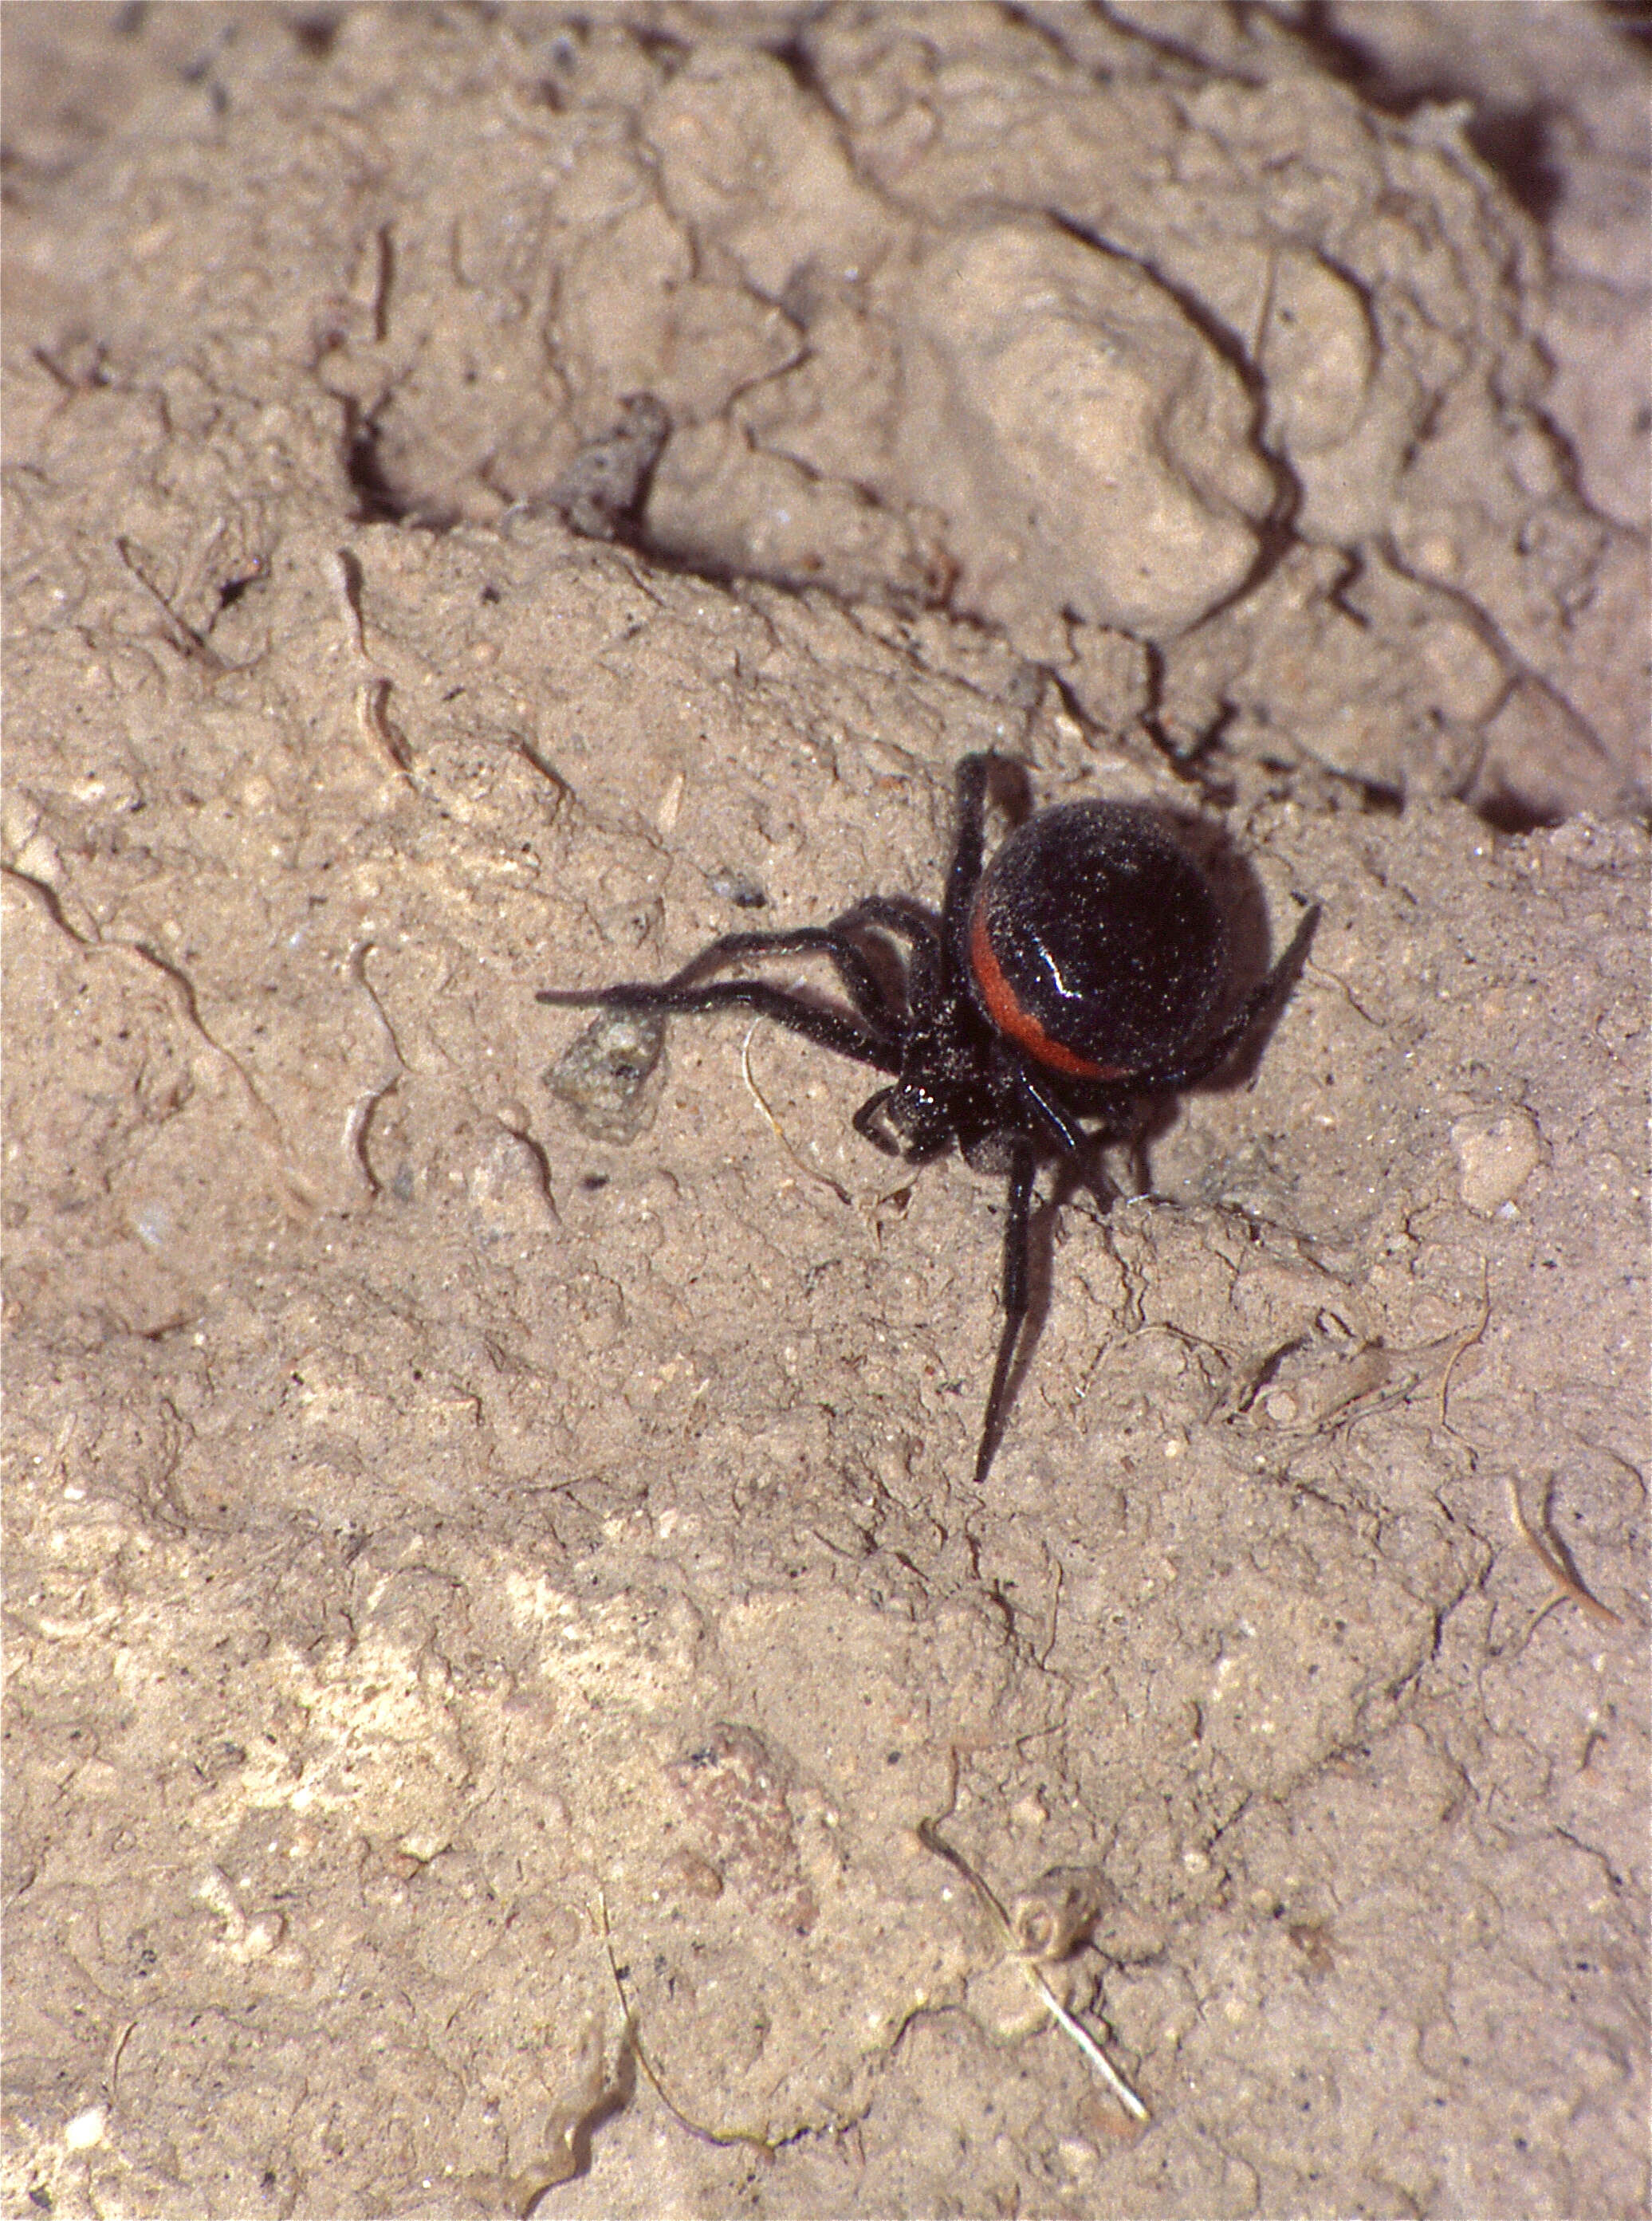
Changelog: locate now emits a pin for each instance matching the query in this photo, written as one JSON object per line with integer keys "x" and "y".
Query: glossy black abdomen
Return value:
{"x": 1095, "y": 942}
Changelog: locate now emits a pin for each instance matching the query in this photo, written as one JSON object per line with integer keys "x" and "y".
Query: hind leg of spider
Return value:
{"x": 1015, "y": 1301}
{"x": 1216, "y": 1053}
{"x": 832, "y": 1030}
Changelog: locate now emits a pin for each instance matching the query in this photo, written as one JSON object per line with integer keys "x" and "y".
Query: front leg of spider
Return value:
{"x": 871, "y": 1034}
{"x": 1082, "y": 965}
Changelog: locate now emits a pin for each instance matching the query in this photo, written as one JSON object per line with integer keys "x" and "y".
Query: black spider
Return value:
{"x": 1078, "y": 969}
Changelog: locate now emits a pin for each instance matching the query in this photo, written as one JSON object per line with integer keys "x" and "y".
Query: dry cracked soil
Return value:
{"x": 514, "y": 1703}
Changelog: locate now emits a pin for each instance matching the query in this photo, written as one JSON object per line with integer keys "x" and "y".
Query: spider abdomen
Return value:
{"x": 1096, "y": 943}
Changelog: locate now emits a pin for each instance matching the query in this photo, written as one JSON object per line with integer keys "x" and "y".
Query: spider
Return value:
{"x": 1079, "y": 968}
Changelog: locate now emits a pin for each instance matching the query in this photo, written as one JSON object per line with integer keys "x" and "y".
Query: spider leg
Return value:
{"x": 1015, "y": 1300}
{"x": 910, "y": 925}
{"x": 1070, "y": 1137}
{"x": 965, "y": 870}
{"x": 904, "y": 918}
{"x": 832, "y": 1030}
{"x": 1216, "y": 1053}
{"x": 864, "y": 1123}
{"x": 860, "y": 981}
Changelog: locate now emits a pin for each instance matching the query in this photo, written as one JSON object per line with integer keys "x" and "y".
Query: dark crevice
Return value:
{"x": 663, "y": 48}
{"x": 795, "y": 59}
{"x": 1630, "y": 20}
{"x": 603, "y": 492}
{"x": 1507, "y": 812}
{"x": 315, "y": 31}
{"x": 232, "y": 589}
{"x": 1276, "y": 534}
{"x": 1516, "y": 143}
{"x": 379, "y": 501}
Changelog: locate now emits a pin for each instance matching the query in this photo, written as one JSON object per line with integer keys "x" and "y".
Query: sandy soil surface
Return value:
{"x": 501, "y": 1636}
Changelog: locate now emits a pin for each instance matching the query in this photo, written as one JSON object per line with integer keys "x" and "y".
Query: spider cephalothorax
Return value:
{"x": 1081, "y": 966}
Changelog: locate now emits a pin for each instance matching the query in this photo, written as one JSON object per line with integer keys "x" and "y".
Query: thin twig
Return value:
{"x": 809, "y": 1171}
{"x": 1467, "y": 1341}
{"x": 1555, "y": 1560}
{"x": 720, "y": 2137}
{"x": 932, "y": 1840}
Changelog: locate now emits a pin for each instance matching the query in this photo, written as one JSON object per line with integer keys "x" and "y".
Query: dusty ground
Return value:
{"x": 435, "y": 1527}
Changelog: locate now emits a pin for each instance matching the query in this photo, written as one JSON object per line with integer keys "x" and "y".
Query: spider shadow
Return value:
{"x": 1068, "y": 1176}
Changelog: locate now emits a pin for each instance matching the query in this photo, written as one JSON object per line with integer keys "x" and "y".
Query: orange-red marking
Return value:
{"x": 1008, "y": 1017}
